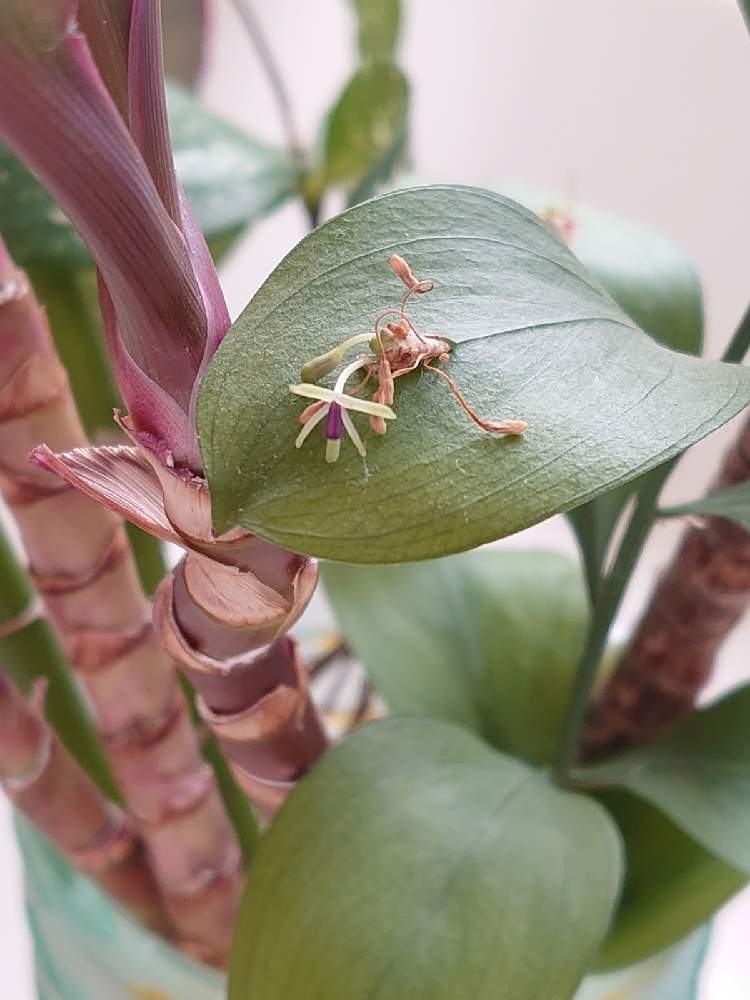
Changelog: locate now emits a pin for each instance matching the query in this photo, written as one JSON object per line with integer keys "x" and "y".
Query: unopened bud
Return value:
{"x": 324, "y": 364}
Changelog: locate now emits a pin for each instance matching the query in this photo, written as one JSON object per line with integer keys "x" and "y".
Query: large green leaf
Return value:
{"x": 230, "y": 179}
{"x": 698, "y": 773}
{"x": 536, "y": 338}
{"x": 489, "y": 640}
{"x": 414, "y": 861}
{"x": 672, "y": 885}
{"x": 366, "y": 125}
{"x": 732, "y": 503}
{"x": 672, "y": 975}
{"x": 650, "y": 277}
{"x": 378, "y": 25}
{"x": 656, "y": 284}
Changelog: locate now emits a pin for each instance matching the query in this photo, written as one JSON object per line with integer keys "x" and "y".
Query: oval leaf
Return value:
{"x": 366, "y": 124}
{"x": 535, "y": 338}
{"x": 230, "y": 180}
{"x": 648, "y": 275}
{"x": 698, "y": 773}
{"x": 413, "y": 861}
{"x": 489, "y": 640}
{"x": 672, "y": 885}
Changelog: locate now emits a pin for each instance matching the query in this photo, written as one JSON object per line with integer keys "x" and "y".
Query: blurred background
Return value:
{"x": 635, "y": 107}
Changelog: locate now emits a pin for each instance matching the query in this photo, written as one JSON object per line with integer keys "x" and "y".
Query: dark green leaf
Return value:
{"x": 672, "y": 975}
{"x": 413, "y": 861}
{"x": 230, "y": 179}
{"x": 732, "y": 503}
{"x": 698, "y": 773}
{"x": 366, "y": 124}
{"x": 536, "y": 339}
{"x": 649, "y": 277}
{"x": 184, "y": 39}
{"x": 672, "y": 885}
{"x": 594, "y": 523}
{"x": 378, "y": 27}
{"x": 489, "y": 640}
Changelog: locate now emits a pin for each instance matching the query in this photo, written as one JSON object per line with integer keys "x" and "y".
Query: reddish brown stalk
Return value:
{"x": 83, "y": 567}
{"x": 50, "y": 789}
{"x": 697, "y": 602}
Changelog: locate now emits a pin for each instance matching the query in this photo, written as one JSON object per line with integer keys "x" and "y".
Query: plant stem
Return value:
{"x": 740, "y": 343}
{"x": 275, "y": 78}
{"x": 606, "y": 606}
{"x": 745, "y": 9}
{"x": 31, "y": 651}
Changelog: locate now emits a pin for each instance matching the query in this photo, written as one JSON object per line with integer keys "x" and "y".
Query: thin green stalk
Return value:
{"x": 740, "y": 343}
{"x": 31, "y": 652}
{"x": 745, "y": 9}
{"x": 607, "y": 603}
{"x": 236, "y": 802}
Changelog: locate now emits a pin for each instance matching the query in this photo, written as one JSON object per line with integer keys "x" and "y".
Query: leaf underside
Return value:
{"x": 535, "y": 338}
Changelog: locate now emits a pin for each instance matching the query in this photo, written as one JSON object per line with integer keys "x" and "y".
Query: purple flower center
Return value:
{"x": 334, "y": 423}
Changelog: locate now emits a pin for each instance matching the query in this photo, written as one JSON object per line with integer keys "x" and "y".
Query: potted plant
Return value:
{"x": 517, "y": 806}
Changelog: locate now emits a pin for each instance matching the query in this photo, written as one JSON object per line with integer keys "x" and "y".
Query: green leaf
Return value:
{"x": 378, "y": 25}
{"x": 535, "y": 338}
{"x": 366, "y": 125}
{"x": 413, "y": 861}
{"x": 698, "y": 773}
{"x": 489, "y": 640}
{"x": 672, "y": 975}
{"x": 230, "y": 179}
{"x": 650, "y": 277}
{"x": 656, "y": 284}
{"x": 732, "y": 503}
{"x": 672, "y": 885}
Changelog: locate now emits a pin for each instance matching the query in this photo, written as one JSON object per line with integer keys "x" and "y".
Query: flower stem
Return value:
{"x": 275, "y": 77}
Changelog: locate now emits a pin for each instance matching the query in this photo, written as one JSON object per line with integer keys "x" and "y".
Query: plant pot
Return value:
{"x": 86, "y": 948}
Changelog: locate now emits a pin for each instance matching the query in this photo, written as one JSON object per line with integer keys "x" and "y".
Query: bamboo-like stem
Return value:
{"x": 83, "y": 568}
{"x": 47, "y": 785}
{"x": 696, "y": 603}
{"x": 29, "y": 651}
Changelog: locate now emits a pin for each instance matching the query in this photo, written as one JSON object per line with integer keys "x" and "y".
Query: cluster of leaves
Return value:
{"x": 457, "y": 863}
{"x": 431, "y": 854}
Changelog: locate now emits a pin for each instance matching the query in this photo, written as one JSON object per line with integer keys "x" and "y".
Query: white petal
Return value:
{"x": 351, "y": 430}
{"x": 309, "y": 425}
{"x": 311, "y": 391}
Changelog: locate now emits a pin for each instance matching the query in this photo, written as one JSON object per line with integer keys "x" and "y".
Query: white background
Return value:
{"x": 639, "y": 107}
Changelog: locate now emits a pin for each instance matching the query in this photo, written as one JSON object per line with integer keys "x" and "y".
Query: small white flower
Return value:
{"x": 335, "y": 404}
